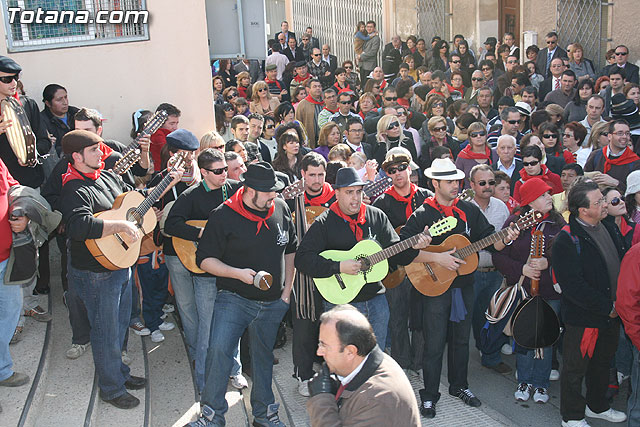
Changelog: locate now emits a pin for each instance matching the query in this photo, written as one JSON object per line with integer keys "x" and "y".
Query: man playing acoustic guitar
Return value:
{"x": 447, "y": 317}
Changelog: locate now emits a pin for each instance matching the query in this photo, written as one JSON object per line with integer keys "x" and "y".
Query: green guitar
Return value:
{"x": 343, "y": 288}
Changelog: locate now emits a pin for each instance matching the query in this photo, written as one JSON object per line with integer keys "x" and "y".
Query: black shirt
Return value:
{"x": 231, "y": 238}
{"x": 395, "y": 210}
{"x": 329, "y": 231}
{"x": 476, "y": 228}
{"x": 80, "y": 199}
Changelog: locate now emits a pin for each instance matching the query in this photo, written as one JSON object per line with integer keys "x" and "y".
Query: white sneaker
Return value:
{"x": 610, "y": 415}
{"x": 166, "y": 326}
{"x": 239, "y": 382}
{"x": 168, "y": 308}
{"x": 506, "y": 349}
{"x": 576, "y": 423}
{"x": 125, "y": 358}
{"x": 554, "y": 375}
{"x": 303, "y": 388}
{"x": 156, "y": 336}
{"x": 523, "y": 392}
{"x": 77, "y": 350}
{"x": 540, "y": 395}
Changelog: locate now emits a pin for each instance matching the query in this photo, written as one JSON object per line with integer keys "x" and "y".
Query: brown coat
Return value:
{"x": 306, "y": 114}
{"x": 380, "y": 394}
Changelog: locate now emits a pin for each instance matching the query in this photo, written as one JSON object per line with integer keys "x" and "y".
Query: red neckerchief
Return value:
{"x": 267, "y": 81}
{"x": 544, "y": 171}
{"x": 383, "y": 84}
{"x": 627, "y": 156}
{"x": 467, "y": 153}
{"x": 72, "y": 173}
{"x": 313, "y": 101}
{"x": 340, "y": 90}
{"x": 331, "y": 111}
{"x": 324, "y": 197}
{"x": 361, "y": 115}
{"x": 624, "y": 226}
{"x": 300, "y": 79}
{"x": 235, "y": 203}
{"x": 393, "y": 193}
{"x": 353, "y": 223}
{"x": 403, "y": 102}
{"x": 446, "y": 210}
{"x": 17, "y": 97}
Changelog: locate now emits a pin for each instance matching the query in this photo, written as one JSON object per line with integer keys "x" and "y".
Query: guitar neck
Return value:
{"x": 395, "y": 249}
{"x": 481, "y": 244}
{"x": 154, "y": 195}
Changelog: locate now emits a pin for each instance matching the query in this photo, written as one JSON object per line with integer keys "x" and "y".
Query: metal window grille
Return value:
{"x": 37, "y": 36}
{"x": 432, "y": 19}
{"x": 334, "y": 21}
{"x": 583, "y": 21}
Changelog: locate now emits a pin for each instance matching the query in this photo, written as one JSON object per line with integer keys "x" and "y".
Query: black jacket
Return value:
{"x": 630, "y": 70}
{"x": 57, "y": 127}
{"x": 295, "y": 56}
{"x": 516, "y": 172}
{"x": 583, "y": 277}
{"x": 541, "y": 62}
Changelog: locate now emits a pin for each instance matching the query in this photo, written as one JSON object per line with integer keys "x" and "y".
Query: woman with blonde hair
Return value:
{"x": 244, "y": 83}
{"x": 217, "y": 84}
{"x": 389, "y": 135}
{"x": 598, "y": 137}
{"x": 579, "y": 64}
{"x": 329, "y": 137}
{"x": 261, "y": 100}
{"x": 438, "y": 136}
{"x": 212, "y": 139}
{"x": 556, "y": 112}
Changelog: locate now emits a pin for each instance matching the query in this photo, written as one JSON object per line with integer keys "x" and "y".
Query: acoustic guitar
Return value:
{"x": 395, "y": 277}
{"x": 186, "y": 249}
{"x": 343, "y": 288}
{"x": 131, "y": 154}
{"x": 117, "y": 251}
{"x": 431, "y": 279}
{"x": 534, "y": 323}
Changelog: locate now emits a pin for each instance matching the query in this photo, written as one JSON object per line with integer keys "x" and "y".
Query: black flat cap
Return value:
{"x": 8, "y": 65}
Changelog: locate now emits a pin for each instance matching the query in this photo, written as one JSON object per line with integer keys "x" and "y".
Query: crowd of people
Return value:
{"x": 556, "y": 135}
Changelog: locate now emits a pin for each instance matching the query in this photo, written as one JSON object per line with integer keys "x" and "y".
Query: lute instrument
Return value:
{"x": 432, "y": 279}
{"x": 342, "y": 288}
{"x": 131, "y": 154}
{"x": 117, "y": 251}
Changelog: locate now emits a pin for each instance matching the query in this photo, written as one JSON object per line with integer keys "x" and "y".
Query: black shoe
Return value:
{"x": 467, "y": 397}
{"x": 125, "y": 401}
{"x": 135, "y": 383}
{"x": 427, "y": 407}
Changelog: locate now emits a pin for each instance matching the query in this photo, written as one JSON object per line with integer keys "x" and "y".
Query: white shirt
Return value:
{"x": 327, "y": 59}
{"x": 509, "y": 171}
{"x": 346, "y": 380}
{"x": 355, "y": 148}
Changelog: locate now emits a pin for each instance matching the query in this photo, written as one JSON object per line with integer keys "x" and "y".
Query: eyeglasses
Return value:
{"x": 533, "y": 163}
{"x": 345, "y": 102}
{"x": 622, "y": 53}
{"x": 401, "y": 167}
{"x": 604, "y": 134}
{"x": 218, "y": 171}
{"x": 315, "y": 54}
{"x": 391, "y": 98}
{"x": 401, "y": 113}
{"x": 600, "y": 201}
{"x": 262, "y": 89}
{"x": 513, "y": 122}
{"x": 356, "y": 130}
{"x": 477, "y": 134}
{"x": 440, "y": 129}
{"x": 549, "y": 136}
{"x": 491, "y": 182}
{"x": 477, "y": 79}
{"x": 9, "y": 79}
{"x": 232, "y": 95}
{"x": 552, "y": 41}
{"x": 393, "y": 125}
{"x": 269, "y": 126}
{"x": 622, "y": 133}
{"x": 616, "y": 201}
{"x": 438, "y": 104}
{"x": 348, "y": 68}
{"x": 486, "y": 68}
{"x": 455, "y": 62}
{"x": 567, "y": 135}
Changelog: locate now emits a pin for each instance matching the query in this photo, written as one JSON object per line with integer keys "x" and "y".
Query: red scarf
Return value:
{"x": 393, "y": 193}
{"x": 403, "y": 102}
{"x": 235, "y": 203}
{"x": 313, "y": 101}
{"x": 353, "y": 223}
{"x": 324, "y": 197}
{"x": 446, "y": 210}
{"x": 627, "y": 156}
{"x": 467, "y": 153}
{"x": 383, "y": 84}
{"x": 331, "y": 111}
{"x": 267, "y": 81}
{"x": 341, "y": 90}
{"x": 361, "y": 115}
{"x": 544, "y": 171}
{"x": 301, "y": 79}
{"x": 72, "y": 173}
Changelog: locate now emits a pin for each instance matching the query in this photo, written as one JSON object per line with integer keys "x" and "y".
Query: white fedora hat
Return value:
{"x": 444, "y": 169}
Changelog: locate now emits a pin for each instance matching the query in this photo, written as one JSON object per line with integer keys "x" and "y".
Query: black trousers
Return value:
{"x": 305, "y": 340}
{"x": 594, "y": 370}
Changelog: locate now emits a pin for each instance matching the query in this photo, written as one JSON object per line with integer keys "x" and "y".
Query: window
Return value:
{"x": 49, "y": 24}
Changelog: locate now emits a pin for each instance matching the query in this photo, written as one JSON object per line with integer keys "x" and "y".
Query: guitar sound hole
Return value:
{"x": 133, "y": 216}
{"x": 365, "y": 263}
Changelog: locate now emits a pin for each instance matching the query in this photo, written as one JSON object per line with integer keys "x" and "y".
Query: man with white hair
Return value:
{"x": 477, "y": 81}
{"x": 507, "y": 161}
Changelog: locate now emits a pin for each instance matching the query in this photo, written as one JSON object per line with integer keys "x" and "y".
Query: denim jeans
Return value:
{"x": 182, "y": 284}
{"x": 485, "y": 284}
{"x": 205, "y": 291}
{"x": 376, "y": 311}
{"x": 107, "y": 297}
{"x": 29, "y": 300}
{"x": 155, "y": 288}
{"x": 633, "y": 405}
{"x": 439, "y": 331}
{"x": 78, "y": 318}
{"x": 10, "y": 306}
{"x": 624, "y": 354}
{"x": 536, "y": 371}
{"x": 232, "y": 316}
{"x": 398, "y": 299}
{"x": 135, "y": 315}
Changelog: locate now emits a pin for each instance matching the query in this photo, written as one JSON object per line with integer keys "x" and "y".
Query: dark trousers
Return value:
{"x": 42, "y": 284}
{"x": 154, "y": 284}
{"x": 305, "y": 341}
{"x": 439, "y": 331}
{"x": 363, "y": 76}
{"x": 398, "y": 299}
{"x": 594, "y": 370}
{"x": 61, "y": 241}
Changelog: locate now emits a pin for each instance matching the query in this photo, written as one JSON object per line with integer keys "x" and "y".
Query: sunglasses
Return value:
{"x": 549, "y": 136}
{"x": 401, "y": 113}
{"x": 345, "y": 102}
{"x": 455, "y": 62}
{"x": 228, "y": 109}
{"x": 440, "y": 129}
{"x": 9, "y": 79}
{"x": 316, "y": 54}
{"x": 438, "y": 104}
{"x": 477, "y": 134}
{"x": 232, "y": 95}
{"x": 477, "y": 79}
{"x": 513, "y": 122}
{"x": 616, "y": 201}
{"x": 218, "y": 171}
{"x": 393, "y": 125}
{"x": 491, "y": 182}
{"x": 622, "y": 53}
{"x": 262, "y": 90}
{"x": 552, "y": 41}
{"x": 401, "y": 167}
{"x": 567, "y": 135}
{"x": 269, "y": 126}
{"x": 485, "y": 68}
{"x": 391, "y": 98}
{"x": 348, "y": 68}
{"x": 533, "y": 163}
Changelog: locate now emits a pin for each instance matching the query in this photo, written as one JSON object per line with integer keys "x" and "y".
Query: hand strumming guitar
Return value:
{"x": 350, "y": 266}
{"x": 448, "y": 261}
